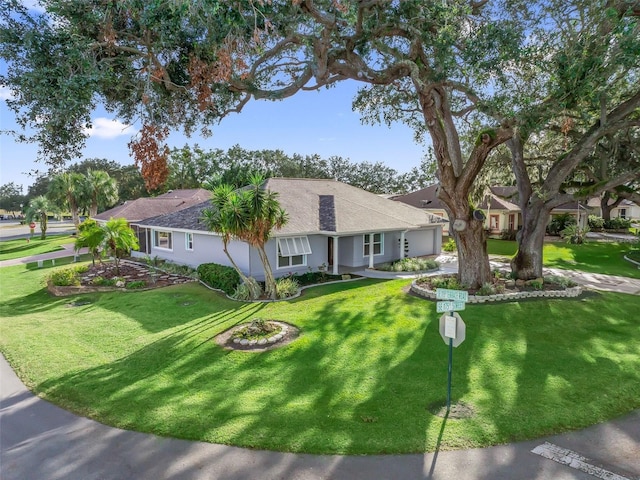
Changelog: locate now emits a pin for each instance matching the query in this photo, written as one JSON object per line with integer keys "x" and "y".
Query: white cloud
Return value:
{"x": 6, "y": 93}
{"x": 106, "y": 128}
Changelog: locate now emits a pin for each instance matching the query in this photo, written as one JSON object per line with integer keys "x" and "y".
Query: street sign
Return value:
{"x": 446, "y": 294}
{"x": 454, "y": 331}
{"x": 449, "y": 306}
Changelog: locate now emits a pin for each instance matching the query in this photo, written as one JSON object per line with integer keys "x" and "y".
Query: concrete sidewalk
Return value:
{"x": 41, "y": 441}
{"x": 67, "y": 251}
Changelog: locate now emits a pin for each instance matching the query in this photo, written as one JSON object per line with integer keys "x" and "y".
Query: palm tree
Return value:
{"x": 67, "y": 191}
{"x": 115, "y": 238}
{"x": 37, "y": 210}
{"x": 263, "y": 215}
{"x": 119, "y": 239}
{"x": 249, "y": 214}
{"x": 101, "y": 190}
{"x": 90, "y": 235}
{"x": 224, "y": 218}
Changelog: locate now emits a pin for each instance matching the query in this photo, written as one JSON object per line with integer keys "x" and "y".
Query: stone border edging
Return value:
{"x": 571, "y": 292}
{"x": 632, "y": 261}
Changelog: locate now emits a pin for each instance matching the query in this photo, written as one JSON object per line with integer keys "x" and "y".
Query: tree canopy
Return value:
{"x": 482, "y": 68}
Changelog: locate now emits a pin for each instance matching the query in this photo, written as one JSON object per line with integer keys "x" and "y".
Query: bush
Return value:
{"x": 221, "y": 277}
{"x": 409, "y": 265}
{"x": 100, "y": 281}
{"x": 508, "y": 234}
{"x": 177, "y": 269}
{"x": 136, "y": 284}
{"x": 617, "y": 223}
{"x": 486, "y": 289}
{"x": 450, "y": 246}
{"x": 242, "y": 292}
{"x": 445, "y": 282}
{"x": 595, "y": 222}
{"x": 559, "y": 223}
{"x": 65, "y": 277}
{"x": 286, "y": 287}
{"x": 574, "y": 234}
{"x": 564, "y": 282}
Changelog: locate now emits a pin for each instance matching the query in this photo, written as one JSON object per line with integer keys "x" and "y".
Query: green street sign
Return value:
{"x": 449, "y": 306}
{"x": 446, "y": 294}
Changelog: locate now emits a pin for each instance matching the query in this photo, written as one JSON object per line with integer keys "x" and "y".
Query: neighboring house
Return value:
{"x": 499, "y": 207}
{"x": 136, "y": 210}
{"x": 625, "y": 209}
{"x": 330, "y": 225}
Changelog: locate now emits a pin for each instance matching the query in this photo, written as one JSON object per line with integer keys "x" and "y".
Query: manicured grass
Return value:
{"x": 361, "y": 378}
{"x": 593, "y": 257}
{"x": 11, "y": 249}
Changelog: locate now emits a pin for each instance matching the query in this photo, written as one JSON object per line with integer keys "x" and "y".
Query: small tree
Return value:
{"x": 115, "y": 238}
{"x": 225, "y": 219}
{"x": 37, "y": 210}
{"x": 250, "y": 215}
{"x": 91, "y": 236}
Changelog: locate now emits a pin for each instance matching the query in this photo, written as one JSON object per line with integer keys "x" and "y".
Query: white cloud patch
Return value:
{"x": 6, "y": 93}
{"x": 106, "y": 128}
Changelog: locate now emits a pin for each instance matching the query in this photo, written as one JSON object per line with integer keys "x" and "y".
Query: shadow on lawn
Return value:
{"x": 363, "y": 379}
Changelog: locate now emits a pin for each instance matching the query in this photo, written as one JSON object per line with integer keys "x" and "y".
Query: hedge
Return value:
{"x": 219, "y": 276}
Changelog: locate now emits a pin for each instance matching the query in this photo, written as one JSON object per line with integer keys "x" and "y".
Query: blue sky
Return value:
{"x": 307, "y": 123}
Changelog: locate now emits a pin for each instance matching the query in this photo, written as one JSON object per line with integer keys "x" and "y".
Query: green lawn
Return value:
{"x": 593, "y": 257}
{"x": 361, "y": 378}
{"x": 11, "y": 249}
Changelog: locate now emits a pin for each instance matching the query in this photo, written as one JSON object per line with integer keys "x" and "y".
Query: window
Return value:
{"x": 292, "y": 261}
{"x": 162, "y": 240}
{"x": 494, "y": 221}
{"x": 188, "y": 241}
{"x": 293, "y": 251}
{"x": 512, "y": 221}
{"x": 377, "y": 244}
{"x": 290, "y": 246}
{"x": 622, "y": 212}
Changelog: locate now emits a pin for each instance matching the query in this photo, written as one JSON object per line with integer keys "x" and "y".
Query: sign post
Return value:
{"x": 452, "y": 327}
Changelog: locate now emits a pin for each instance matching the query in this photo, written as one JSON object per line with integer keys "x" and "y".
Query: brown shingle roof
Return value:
{"x": 146, "y": 207}
{"x": 423, "y": 198}
{"x": 315, "y": 206}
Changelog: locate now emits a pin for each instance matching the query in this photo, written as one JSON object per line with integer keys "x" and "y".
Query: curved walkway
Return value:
{"x": 41, "y": 441}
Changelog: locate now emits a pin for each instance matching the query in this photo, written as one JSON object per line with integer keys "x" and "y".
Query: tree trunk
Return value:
{"x": 474, "y": 269}
{"x": 252, "y": 285}
{"x": 527, "y": 263}
{"x": 43, "y": 226}
{"x": 269, "y": 281}
{"x": 93, "y": 209}
{"x": 606, "y": 207}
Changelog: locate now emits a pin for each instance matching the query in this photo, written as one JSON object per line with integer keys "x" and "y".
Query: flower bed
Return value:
{"x": 501, "y": 289}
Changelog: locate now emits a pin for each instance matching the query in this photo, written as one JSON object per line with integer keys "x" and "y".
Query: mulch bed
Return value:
{"x": 224, "y": 339}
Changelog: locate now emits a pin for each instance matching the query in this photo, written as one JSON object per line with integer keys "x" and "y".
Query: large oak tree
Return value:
{"x": 190, "y": 63}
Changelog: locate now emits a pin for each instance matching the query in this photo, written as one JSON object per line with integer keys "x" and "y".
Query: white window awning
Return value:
{"x": 292, "y": 246}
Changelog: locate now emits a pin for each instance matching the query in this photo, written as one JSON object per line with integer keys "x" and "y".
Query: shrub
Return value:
{"x": 286, "y": 287}
{"x": 486, "y": 289}
{"x": 574, "y": 234}
{"x": 450, "y": 246}
{"x": 617, "y": 223}
{"x": 136, "y": 284}
{"x": 257, "y": 329}
{"x": 535, "y": 284}
{"x": 242, "y": 292}
{"x": 564, "y": 282}
{"x": 508, "y": 234}
{"x": 410, "y": 265}
{"x": 103, "y": 282}
{"x": 221, "y": 277}
{"x": 177, "y": 269}
{"x": 595, "y": 222}
{"x": 450, "y": 282}
{"x": 65, "y": 277}
{"x": 559, "y": 223}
